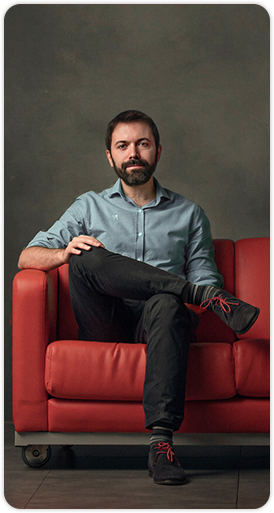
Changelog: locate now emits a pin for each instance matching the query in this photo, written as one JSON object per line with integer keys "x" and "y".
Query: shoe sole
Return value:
{"x": 168, "y": 481}
{"x": 253, "y": 320}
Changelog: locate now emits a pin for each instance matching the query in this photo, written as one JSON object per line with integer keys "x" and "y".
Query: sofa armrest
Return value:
{"x": 34, "y": 324}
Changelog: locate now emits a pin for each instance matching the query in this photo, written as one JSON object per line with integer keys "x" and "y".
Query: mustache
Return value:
{"x": 134, "y": 162}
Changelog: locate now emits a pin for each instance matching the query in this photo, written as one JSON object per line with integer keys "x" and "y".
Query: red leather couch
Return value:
{"x": 64, "y": 385}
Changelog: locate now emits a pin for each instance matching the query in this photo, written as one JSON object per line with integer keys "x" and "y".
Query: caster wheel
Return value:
{"x": 36, "y": 455}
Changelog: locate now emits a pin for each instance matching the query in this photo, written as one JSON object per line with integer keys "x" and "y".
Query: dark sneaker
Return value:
{"x": 237, "y": 314}
{"x": 163, "y": 465}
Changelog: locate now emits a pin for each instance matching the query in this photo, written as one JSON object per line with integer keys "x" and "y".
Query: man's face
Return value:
{"x": 133, "y": 152}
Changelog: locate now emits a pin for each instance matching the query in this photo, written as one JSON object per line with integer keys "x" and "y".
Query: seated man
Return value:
{"x": 137, "y": 254}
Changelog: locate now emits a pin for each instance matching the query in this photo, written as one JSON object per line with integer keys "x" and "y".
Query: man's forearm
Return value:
{"x": 41, "y": 258}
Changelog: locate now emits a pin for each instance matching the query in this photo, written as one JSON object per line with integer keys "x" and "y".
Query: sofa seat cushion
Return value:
{"x": 77, "y": 369}
{"x": 115, "y": 372}
{"x": 252, "y": 367}
{"x": 210, "y": 373}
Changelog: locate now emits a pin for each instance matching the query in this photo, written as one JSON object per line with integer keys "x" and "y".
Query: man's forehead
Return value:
{"x": 134, "y": 129}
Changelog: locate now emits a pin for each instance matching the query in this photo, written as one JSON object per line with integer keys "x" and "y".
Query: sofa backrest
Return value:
{"x": 252, "y": 281}
{"x": 252, "y": 285}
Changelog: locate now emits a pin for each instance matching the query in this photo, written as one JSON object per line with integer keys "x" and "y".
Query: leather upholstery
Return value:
{"x": 252, "y": 281}
{"x": 252, "y": 367}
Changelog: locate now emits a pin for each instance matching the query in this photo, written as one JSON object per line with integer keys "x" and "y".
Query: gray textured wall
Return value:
{"x": 200, "y": 71}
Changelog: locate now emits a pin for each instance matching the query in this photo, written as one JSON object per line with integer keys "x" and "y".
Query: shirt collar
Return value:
{"x": 117, "y": 190}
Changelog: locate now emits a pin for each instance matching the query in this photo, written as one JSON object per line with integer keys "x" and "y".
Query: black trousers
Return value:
{"x": 119, "y": 299}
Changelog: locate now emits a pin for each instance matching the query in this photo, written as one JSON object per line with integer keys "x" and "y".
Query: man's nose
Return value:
{"x": 134, "y": 152}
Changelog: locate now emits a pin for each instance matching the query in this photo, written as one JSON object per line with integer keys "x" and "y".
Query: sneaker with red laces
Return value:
{"x": 237, "y": 314}
{"x": 163, "y": 465}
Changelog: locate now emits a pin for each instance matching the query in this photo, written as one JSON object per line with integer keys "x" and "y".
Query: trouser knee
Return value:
{"x": 166, "y": 308}
{"x": 91, "y": 261}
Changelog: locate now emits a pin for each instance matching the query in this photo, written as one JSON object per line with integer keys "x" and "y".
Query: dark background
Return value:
{"x": 200, "y": 71}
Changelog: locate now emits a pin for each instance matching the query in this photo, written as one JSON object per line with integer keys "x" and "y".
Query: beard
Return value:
{"x": 135, "y": 176}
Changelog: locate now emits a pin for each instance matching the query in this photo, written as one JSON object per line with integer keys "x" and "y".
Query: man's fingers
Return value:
{"x": 98, "y": 243}
{"x": 74, "y": 251}
{"x": 83, "y": 242}
{"x": 88, "y": 240}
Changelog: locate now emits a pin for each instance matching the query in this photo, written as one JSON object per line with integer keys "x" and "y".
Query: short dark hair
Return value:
{"x": 129, "y": 116}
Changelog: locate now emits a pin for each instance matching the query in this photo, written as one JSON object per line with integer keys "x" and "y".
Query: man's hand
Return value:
{"x": 46, "y": 259}
{"x": 79, "y": 243}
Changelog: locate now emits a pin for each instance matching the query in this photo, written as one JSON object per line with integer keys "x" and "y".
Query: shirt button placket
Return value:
{"x": 140, "y": 235}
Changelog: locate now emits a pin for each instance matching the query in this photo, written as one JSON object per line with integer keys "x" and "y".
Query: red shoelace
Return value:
{"x": 221, "y": 302}
{"x": 165, "y": 448}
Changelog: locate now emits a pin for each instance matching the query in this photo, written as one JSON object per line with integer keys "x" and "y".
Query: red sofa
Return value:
{"x": 62, "y": 385}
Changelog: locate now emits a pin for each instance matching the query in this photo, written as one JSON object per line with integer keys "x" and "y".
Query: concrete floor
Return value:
{"x": 84, "y": 477}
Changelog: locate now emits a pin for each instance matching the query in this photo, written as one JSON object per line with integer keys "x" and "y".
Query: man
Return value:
{"x": 137, "y": 254}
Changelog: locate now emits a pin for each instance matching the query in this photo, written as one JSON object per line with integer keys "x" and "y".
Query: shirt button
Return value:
{"x": 140, "y": 234}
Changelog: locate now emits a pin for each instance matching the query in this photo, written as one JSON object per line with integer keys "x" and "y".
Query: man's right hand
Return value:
{"x": 77, "y": 244}
{"x": 45, "y": 259}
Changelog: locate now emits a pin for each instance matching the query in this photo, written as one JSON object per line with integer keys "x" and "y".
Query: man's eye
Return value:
{"x": 143, "y": 143}
{"x": 121, "y": 146}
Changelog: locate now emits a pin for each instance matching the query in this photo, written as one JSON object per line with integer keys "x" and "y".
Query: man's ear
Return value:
{"x": 109, "y": 157}
{"x": 159, "y": 151}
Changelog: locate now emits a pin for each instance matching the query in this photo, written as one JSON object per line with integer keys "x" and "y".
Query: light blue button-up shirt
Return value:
{"x": 171, "y": 232}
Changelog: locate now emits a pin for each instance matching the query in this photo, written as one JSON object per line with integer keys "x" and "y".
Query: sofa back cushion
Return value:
{"x": 67, "y": 325}
{"x": 252, "y": 281}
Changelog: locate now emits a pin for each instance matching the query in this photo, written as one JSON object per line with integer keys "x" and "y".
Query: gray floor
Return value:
{"x": 235, "y": 477}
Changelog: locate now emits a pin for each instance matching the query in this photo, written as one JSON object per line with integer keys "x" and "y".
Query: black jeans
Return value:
{"x": 118, "y": 299}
